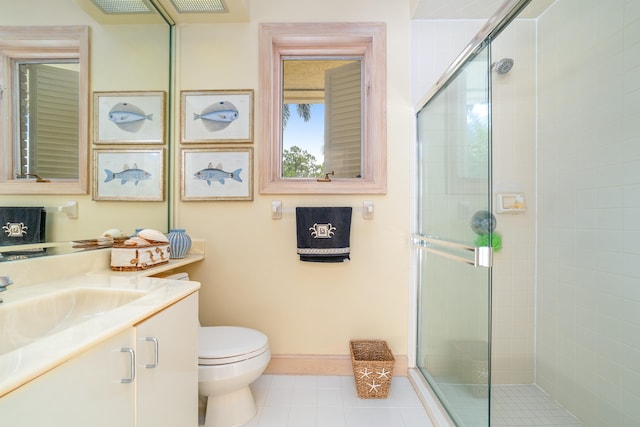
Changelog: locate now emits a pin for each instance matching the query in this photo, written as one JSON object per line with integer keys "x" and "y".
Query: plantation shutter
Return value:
{"x": 343, "y": 121}
{"x": 52, "y": 127}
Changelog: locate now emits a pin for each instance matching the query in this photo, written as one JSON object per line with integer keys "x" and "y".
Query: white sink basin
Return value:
{"x": 26, "y": 321}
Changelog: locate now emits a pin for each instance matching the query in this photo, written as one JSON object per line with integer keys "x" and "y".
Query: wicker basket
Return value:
{"x": 372, "y": 362}
{"x": 133, "y": 258}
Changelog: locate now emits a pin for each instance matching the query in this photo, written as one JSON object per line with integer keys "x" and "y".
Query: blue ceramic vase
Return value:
{"x": 179, "y": 243}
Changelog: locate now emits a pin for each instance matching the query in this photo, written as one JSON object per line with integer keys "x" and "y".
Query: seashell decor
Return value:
{"x": 136, "y": 241}
{"x": 153, "y": 236}
{"x": 112, "y": 233}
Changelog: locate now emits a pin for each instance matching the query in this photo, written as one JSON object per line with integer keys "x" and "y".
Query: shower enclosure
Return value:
{"x": 454, "y": 189}
{"x": 536, "y": 321}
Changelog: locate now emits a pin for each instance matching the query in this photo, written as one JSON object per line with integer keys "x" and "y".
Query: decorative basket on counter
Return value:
{"x": 373, "y": 363}
{"x": 128, "y": 258}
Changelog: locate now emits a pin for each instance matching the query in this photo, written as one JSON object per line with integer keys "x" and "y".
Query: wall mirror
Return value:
{"x": 323, "y": 99}
{"x": 44, "y": 92}
{"x": 126, "y": 52}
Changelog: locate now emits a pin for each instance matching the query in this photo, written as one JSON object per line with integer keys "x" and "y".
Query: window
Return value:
{"x": 351, "y": 60}
{"x": 44, "y": 110}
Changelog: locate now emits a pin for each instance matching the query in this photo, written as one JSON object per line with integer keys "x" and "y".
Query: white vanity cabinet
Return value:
{"x": 167, "y": 367}
{"x": 86, "y": 390}
{"x": 144, "y": 376}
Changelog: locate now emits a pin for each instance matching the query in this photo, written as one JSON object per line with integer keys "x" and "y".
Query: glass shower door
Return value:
{"x": 454, "y": 228}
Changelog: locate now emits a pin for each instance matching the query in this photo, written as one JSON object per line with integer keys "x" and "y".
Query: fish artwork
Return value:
{"x": 217, "y": 116}
{"x": 211, "y": 174}
{"x": 128, "y": 174}
{"x": 128, "y": 117}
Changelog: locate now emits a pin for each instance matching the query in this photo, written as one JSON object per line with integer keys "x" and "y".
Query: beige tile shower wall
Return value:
{"x": 434, "y": 46}
{"x": 514, "y": 162}
{"x": 588, "y": 351}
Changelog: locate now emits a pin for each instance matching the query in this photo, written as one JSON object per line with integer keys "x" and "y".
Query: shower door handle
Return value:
{"x": 481, "y": 256}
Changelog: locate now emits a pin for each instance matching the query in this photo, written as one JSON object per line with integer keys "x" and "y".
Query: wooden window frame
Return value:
{"x": 27, "y": 42}
{"x": 365, "y": 40}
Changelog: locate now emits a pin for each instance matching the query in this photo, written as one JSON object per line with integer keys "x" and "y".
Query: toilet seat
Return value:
{"x": 220, "y": 345}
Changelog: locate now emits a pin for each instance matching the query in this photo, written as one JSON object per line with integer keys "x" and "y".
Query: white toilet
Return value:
{"x": 229, "y": 359}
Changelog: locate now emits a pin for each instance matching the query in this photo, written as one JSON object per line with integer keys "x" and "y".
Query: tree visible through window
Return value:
{"x": 296, "y": 161}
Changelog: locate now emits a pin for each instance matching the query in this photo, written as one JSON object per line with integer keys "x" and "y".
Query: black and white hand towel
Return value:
{"x": 323, "y": 234}
{"x": 22, "y": 225}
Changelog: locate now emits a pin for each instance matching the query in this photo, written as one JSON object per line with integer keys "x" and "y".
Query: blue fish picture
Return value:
{"x": 127, "y": 174}
{"x": 217, "y": 116}
{"x": 128, "y": 117}
{"x": 217, "y": 174}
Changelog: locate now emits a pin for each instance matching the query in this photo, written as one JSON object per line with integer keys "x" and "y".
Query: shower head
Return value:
{"x": 502, "y": 66}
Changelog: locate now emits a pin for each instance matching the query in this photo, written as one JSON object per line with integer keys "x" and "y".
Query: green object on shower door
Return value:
{"x": 483, "y": 240}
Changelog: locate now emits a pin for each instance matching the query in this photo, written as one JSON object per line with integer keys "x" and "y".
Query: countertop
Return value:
{"x": 19, "y": 366}
{"x": 158, "y": 270}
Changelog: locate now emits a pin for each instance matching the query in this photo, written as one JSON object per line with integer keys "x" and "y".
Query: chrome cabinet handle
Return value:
{"x": 155, "y": 353}
{"x": 132, "y": 366}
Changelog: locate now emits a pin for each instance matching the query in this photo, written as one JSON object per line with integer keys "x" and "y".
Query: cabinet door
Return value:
{"x": 84, "y": 391}
{"x": 167, "y": 348}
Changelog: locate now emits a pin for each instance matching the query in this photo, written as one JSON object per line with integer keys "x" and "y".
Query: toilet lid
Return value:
{"x": 227, "y": 344}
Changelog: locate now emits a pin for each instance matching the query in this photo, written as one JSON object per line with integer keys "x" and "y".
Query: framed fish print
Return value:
{"x": 213, "y": 116}
{"x": 134, "y": 175}
{"x": 217, "y": 174}
{"x": 129, "y": 117}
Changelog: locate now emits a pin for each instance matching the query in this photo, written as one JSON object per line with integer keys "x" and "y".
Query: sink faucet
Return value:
{"x": 4, "y": 282}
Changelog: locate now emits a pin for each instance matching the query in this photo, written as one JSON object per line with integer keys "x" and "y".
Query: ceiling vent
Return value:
{"x": 200, "y": 6}
{"x": 115, "y": 7}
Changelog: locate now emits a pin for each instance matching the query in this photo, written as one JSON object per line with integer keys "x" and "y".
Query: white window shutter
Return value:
{"x": 53, "y": 121}
{"x": 343, "y": 120}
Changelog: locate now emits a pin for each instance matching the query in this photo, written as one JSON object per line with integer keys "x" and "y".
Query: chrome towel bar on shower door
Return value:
{"x": 482, "y": 255}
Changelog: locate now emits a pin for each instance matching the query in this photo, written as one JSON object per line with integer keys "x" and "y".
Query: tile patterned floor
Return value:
{"x": 527, "y": 405}
{"x": 332, "y": 401}
{"x": 511, "y": 406}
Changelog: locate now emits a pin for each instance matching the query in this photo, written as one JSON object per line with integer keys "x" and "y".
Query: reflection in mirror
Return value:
{"x": 20, "y": 252}
{"x": 129, "y": 52}
{"x": 323, "y": 99}
{"x": 44, "y": 77}
{"x": 322, "y": 117}
{"x": 47, "y": 113}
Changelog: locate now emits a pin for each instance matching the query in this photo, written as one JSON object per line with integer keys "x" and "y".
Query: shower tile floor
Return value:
{"x": 511, "y": 406}
{"x": 332, "y": 401}
{"x": 527, "y": 405}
